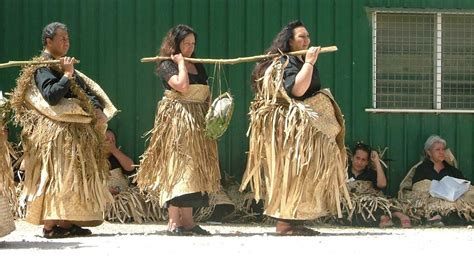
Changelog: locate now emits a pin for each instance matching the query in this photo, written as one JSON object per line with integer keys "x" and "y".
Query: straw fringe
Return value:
{"x": 7, "y": 186}
{"x": 61, "y": 158}
{"x": 7, "y": 189}
{"x": 422, "y": 205}
{"x": 294, "y": 163}
{"x": 180, "y": 159}
{"x": 419, "y": 204}
{"x": 366, "y": 201}
{"x": 132, "y": 205}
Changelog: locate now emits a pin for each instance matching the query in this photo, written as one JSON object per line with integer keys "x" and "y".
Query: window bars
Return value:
{"x": 423, "y": 61}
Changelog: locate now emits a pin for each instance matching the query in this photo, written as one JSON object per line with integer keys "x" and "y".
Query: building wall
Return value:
{"x": 110, "y": 37}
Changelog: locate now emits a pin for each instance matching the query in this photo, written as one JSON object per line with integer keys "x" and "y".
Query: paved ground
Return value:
{"x": 249, "y": 240}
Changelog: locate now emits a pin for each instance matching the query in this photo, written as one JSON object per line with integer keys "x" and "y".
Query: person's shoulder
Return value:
{"x": 425, "y": 164}
{"x": 167, "y": 63}
{"x": 290, "y": 58}
{"x": 44, "y": 71}
{"x": 449, "y": 166}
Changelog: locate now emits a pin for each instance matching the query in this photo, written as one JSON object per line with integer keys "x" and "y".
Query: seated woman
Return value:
{"x": 415, "y": 187}
{"x": 129, "y": 204}
{"x": 365, "y": 185}
{"x": 120, "y": 163}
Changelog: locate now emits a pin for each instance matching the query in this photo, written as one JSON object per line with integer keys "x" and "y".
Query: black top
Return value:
{"x": 54, "y": 86}
{"x": 114, "y": 164}
{"x": 167, "y": 69}
{"x": 426, "y": 171}
{"x": 294, "y": 66}
{"x": 367, "y": 175}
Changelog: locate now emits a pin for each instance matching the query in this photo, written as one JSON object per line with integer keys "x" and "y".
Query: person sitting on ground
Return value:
{"x": 435, "y": 166}
{"x": 366, "y": 185}
{"x": 120, "y": 163}
{"x": 129, "y": 205}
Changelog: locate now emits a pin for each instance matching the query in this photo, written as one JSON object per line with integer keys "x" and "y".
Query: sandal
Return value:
{"x": 75, "y": 230}
{"x": 178, "y": 231}
{"x": 197, "y": 230}
{"x": 385, "y": 222}
{"x": 56, "y": 232}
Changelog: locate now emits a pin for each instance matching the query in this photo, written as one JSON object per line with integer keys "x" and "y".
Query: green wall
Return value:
{"x": 110, "y": 37}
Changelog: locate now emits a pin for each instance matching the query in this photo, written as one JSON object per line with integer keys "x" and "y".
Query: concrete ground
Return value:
{"x": 231, "y": 239}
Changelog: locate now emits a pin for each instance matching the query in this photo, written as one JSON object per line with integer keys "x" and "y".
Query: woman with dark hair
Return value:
{"x": 181, "y": 164}
{"x": 366, "y": 182}
{"x": 359, "y": 167}
{"x": 297, "y": 159}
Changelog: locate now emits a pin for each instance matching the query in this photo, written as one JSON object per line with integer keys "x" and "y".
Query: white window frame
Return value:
{"x": 437, "y": 66}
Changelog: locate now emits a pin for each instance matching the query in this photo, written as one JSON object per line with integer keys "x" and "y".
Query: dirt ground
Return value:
{"x": 230, "y": 239}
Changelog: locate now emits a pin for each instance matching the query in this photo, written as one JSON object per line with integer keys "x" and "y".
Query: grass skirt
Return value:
{"x": 7, "y": 192}
{"x": 180, "y": 159}
{"x": 297, "y": 158}
{"x": 65, "y": 165}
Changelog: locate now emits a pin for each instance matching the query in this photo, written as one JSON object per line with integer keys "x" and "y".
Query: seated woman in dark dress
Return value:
{"x": 360, "y": 170}
{"x": 434, "y": 167}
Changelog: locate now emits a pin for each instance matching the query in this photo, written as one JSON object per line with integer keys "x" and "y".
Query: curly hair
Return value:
{"x": 281, "y": 43}
{"x": 173, "y": 38}
{"x": 171, "y": 41}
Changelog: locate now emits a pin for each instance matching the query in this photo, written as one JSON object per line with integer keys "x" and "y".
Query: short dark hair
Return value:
{"x": 362, "y": 146}
{"x": 49, "y": 31}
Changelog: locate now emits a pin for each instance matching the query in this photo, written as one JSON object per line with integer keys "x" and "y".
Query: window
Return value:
{"x": 423, "y": 61}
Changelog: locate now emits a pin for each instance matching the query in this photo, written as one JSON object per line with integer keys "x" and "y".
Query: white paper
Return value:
{"x": 449, "y": 188}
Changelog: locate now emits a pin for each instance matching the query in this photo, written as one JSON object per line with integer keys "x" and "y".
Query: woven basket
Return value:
{"x": 6, "y": 220}
{"x": 327, "y": 121}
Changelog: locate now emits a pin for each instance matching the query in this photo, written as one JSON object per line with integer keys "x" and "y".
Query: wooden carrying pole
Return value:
{"x": 28, "y": 62}
{"x": 238, "y": 60}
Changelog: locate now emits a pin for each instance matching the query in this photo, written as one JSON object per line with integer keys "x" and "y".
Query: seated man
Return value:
{"x": 435, "y": 166}
{"x": 365, "y": 185}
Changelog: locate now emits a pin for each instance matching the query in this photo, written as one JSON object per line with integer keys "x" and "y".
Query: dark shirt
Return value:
{"x": 426, "y": 171}
{"x": 367, "y": 175}
{"x": 114, "y": 164}
{"x": 291, "y": 70}
{"x": 167, "y": 69}
{"x": 54, "y": 86}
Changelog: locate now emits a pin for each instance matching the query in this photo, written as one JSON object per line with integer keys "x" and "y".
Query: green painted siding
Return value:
{"x": 110, "y": 36}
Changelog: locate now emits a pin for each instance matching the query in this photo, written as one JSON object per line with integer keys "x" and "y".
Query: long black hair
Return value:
{"x": 281, "y": 43}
